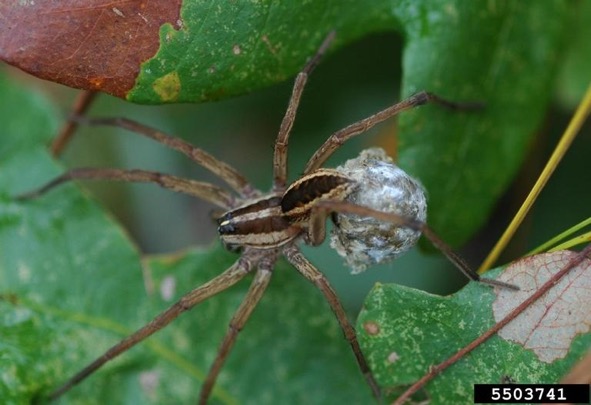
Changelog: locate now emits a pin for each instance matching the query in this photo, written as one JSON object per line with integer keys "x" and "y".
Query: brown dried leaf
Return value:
{"x": 549, "y": 326}
{"x": 88, "y": 44}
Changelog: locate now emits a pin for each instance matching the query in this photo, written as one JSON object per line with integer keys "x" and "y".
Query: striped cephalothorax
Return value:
{"x": 264, "y": 226}
{"x": 272, "y": 221}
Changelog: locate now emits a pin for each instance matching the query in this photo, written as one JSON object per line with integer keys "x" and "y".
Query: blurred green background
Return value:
{"x": 349, "y": 84}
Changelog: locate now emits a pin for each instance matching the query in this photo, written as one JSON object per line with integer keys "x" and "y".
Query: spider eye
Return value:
{"x": 226, "y": 227}
{"x": 382, "y": 186}
{"x": 224, "y": 218}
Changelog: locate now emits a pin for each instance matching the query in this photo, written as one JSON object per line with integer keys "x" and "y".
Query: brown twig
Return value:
{"x": 435, "y": 370}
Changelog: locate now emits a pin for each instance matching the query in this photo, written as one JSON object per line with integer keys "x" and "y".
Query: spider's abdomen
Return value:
{"x": 320, "y": 185}
{"x": 257, "y": 224}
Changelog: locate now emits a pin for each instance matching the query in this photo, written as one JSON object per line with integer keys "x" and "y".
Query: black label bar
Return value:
{"x": 531, "y": 393}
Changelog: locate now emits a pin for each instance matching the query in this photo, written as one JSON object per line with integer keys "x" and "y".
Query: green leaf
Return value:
{"x": 573, "y": 78}
{"x": 504, "y": 54}
{"x": 404, "y": 332}
{"x": 228, "y": 49}
{"x": 72, "y": 285}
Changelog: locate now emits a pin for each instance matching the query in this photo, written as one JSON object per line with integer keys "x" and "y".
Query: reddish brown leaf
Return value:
{"x": 87, "y": 44}
{"x": 549, "y": 325}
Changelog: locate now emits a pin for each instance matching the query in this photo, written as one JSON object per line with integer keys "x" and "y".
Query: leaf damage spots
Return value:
{"x": 271, "y": 48}
{"x": 168, "y": 288}
{"x": 549, "y": 326}
{"x": 236, "y": 50}
{"x": 143, "y": 17}
{"x": 393, "y": 357}
{"x": 118, "y": 12}
{"x": 96, "y": 82}
{"x": 372, "y": 328}
{"x": 169, "y": 36}
{"x": 24, "y": 272}
{"x": 451, "y": 11}
{"x": 149, "y": 381}
{"x": 168, "y": 87}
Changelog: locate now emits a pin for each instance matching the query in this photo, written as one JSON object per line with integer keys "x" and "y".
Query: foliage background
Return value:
{"x": 350, "y": 84}
{"x": 242, "y": 130}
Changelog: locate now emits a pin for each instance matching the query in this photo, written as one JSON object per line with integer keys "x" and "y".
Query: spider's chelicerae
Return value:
{"x": 265, "y": 226}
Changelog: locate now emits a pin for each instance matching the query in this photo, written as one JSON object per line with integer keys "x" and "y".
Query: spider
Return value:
{"x": 262, "y": 226}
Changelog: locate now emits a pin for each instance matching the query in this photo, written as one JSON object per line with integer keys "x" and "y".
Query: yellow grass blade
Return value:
{"x": 555, "y": 240}
{"x": 573, "y": 128}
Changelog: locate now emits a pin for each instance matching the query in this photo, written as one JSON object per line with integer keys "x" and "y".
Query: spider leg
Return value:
{"x": 222, "y": 282}
{"x": 203, "y": 190}
{"x": 359, "y": 127}
{"x": 223, "y": 170}
{"x": 81, "y": 105}
{"x": 457, "y": 260}
{"x": 255, "y": 292}
{"x": 307, "y": 269}
{"x": 280, "y": 152}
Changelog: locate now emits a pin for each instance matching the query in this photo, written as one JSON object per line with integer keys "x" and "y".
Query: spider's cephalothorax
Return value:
{"x": 272, "y": 221}
{"x": 265, "y": 226}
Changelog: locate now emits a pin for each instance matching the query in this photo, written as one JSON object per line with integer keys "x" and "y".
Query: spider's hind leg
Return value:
{"x": 255, "y": 292}
{"x": 307, "y": 269}
{"x": 349, "y": 208}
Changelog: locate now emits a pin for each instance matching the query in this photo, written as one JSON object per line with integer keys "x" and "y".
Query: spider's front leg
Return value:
{"x": 199, "y": 189}
{"x": 224, "y": 171}
{"x": 281, "y": 143}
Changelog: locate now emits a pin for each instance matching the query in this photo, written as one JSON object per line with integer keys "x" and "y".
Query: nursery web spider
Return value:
{"x": 264, "y": 226}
